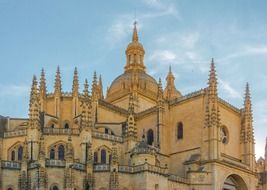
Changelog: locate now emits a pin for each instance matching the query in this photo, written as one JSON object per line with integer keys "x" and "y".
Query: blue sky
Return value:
{"x": 93, "y": 35}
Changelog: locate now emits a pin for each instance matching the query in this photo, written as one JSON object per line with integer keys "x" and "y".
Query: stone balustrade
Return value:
{"x": 102, "y": 168}
{"x": 176, "y": 178}
{"x": 78, "y": 166}
{"x": 142, "y": 168}
{"x": 55, "y": 163}
{"x": 60, "y": 131}
{"x": 105, "y": 136}
{"x": 10, "y": 165}
{"x": 16, "y": 133}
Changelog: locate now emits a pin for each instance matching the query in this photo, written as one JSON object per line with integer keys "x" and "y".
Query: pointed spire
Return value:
{"x": 248, "y": 115}
{"x": 42, "y": 84}
{"x": 170, "y": 91}
{"x": 94, "y": 87}
{"x": 34, "y": 107}
{"x": 100, "y": 87}
{"x": 160, "y": 91}
{"x": 75, "y": 83}
{"x": 135, "y": 33}
{"x": 212, "y": 80}
{"x": 86, "y": 117}
{"x": 58, "y": 83}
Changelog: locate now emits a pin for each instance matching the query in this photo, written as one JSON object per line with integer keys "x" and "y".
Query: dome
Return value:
{"x": 124, "y": 83}
{"x": 134, "y": 76}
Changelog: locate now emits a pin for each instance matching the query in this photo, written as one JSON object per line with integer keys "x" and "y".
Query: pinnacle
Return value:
{"x": 135, "y": 34}
{"x": 86, "y": 86}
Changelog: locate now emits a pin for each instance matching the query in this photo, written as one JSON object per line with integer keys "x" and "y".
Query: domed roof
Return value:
{"x": 125, "y": 82}
{"x": 134, "y": 76}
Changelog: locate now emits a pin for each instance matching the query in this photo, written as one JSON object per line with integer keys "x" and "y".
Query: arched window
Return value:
{"x": 95, "y": 157}
{"x": 9, "y": 188}
{"x": 150, "y": 137}
{"x": 20, "y": 153}
{"x": 52, "y": 126}
{"x": 55, "y": 188}
{"x": 52, "y": 154}
{"x": 13, "y": 155}
{"x": 180, "y": 131}
{"x": 61, "y": 152}
{"x": 103, "y": 156}
{"x": 66, "y": 126}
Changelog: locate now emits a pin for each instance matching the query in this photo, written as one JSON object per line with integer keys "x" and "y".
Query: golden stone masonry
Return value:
{"x": 140, "y": 136}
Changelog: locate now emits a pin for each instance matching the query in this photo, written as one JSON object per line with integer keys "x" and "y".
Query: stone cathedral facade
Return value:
{"x": 140, "y": 136}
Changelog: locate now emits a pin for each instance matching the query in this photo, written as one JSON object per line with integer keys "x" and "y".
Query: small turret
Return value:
{"x": 170, "y": 91}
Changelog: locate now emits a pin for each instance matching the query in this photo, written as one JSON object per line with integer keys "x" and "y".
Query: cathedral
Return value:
{"x": 139, "y": 136}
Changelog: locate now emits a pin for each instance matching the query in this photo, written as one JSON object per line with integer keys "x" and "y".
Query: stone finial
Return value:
{"x": 100, "y": 87}
{"x": 75, "y": 83}
{"x": 86, "y": 117}
{"x": 135, "y": 33}
{"x": 34, "y": 107}
{"x": 248, "y": 116}
{"x": 212, "y": 80}
{"x": 57, "y": 83}
{"x": 42, "y": 84}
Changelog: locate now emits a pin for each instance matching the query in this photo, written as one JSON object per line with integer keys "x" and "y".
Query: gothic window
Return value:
{"x": 52, "y": 154}
{"x": 61, "y": 152}
{"x": 106, "y": 131}
{"x": 95, "y": 157}
{"x": 180, "y": 131}
{"x": 55, "y": 188}
{"x": 103, "y": 156}
{"x": 150, "y": 137}
{"x": 13, "y": 155}
{"x": 224, "y": 135}
{"x": 66, "y": 126}
{"x": 20, "y": 153}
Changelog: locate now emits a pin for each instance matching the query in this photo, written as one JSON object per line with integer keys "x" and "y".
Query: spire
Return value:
{"x": 86, "y": 117}
{"x": 170, "y": 91}
{"x": 42, "y": 84}
{"x": 248, "y": 115}
{"x": 94, "y": 87}
{"x": 135, "y": 53}
{"x": 75, "y": 83}
{"x": 160, "y": 91}
{"x": 212, "y": 81}
{"x": 58, "y": 83}
{"x": 34, "y": 119}
{"x": 135, "y": 34}
{"x": 100, "y": 87}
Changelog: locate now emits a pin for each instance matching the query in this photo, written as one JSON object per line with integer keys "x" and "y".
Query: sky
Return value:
{"x": 93, "y": 36}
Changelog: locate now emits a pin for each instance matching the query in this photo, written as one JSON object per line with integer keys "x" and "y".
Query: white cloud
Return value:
{"x": 229, "y": 90}
{"x": 14, "y": 90}
{"x": 165, "y": 56}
